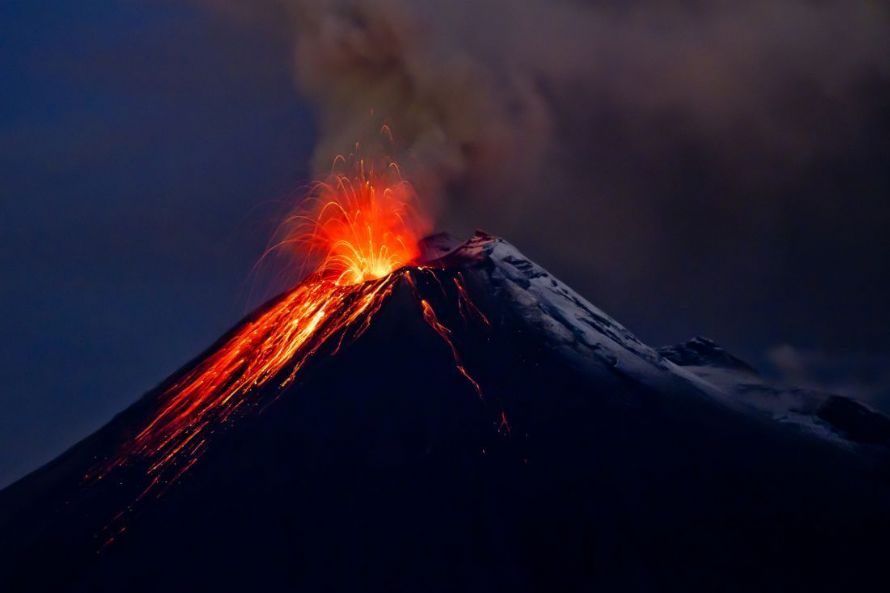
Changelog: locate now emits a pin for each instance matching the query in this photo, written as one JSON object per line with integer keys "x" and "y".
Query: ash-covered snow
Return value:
{"x": 573, "y": 325}
{"x": 583, "y": 332}
{"x": 835, "y": 417}
{"x": 570, "y": 321}
{"x": 703, "y": 352}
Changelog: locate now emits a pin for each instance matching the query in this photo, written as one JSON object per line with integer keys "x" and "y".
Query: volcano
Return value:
{"x": 468, "y": 424}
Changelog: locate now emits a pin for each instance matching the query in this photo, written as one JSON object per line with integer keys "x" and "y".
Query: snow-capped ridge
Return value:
{"x": 582, "y": 331}
{"x": 701, "y": 352}
{"x": 570, "y": 322}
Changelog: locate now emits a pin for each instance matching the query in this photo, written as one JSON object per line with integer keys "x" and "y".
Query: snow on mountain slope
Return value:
{"x": 831, "y": 416}
{"x": 573, "y": 325}
{"x": 581, "y": 331}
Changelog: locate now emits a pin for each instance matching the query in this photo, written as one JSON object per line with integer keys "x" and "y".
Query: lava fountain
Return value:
{"x": 359, "y": 233}
{"x": 363, "y": 225}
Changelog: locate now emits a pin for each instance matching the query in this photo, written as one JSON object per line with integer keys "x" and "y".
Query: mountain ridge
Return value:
{"x": 590, "y": 460}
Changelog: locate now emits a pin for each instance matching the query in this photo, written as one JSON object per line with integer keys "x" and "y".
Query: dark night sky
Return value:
{"x": 147, "y": 150}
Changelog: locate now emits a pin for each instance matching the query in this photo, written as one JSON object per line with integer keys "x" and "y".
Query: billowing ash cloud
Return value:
{"x": 458, "y": 91}
{"x": 484, "y": 95}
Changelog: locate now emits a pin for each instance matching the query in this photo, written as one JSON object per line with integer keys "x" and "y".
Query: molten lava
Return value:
{"x": 361, "y": 225}
{"x": 361, "y": 233}
{"x": 273, "y": 346}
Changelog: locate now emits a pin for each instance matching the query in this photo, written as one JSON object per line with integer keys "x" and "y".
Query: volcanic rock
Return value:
{"x": 591, "y": 461}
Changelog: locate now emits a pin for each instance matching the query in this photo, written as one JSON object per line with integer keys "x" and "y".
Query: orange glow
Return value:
{"x": 357, "y": 230}
{"x": 272, "y": 347}
{"x": 361, "y": 224}
{"x": 361, "y": 233}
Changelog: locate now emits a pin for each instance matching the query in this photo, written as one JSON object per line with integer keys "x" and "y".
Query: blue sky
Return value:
{"x": 146, "y": 149}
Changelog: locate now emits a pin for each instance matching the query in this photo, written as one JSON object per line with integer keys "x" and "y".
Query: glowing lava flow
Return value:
{"x": 364, "y": 225}
{"x": 362, "y": 233}
{"x": 429, "y": 315}
{"x": 273, "y": 346}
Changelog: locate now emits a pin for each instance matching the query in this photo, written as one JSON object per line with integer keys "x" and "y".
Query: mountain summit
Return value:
{"x": 466, "y": 424}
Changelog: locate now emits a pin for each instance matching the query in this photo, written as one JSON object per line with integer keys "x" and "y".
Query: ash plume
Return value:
{"x": 480, "y": 94}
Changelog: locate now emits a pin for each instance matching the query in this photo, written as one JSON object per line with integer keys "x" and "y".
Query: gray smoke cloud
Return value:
{"x": 863, "y": 375}
{"x": 486, "y": 98}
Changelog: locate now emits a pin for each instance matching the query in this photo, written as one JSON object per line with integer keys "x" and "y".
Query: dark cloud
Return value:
{"x": 863, "y": 375}
{"x": 486, "y": 96}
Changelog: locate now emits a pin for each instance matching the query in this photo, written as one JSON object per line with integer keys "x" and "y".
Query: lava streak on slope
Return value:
{"x": 273, "y": 347}
{"x": 363, "y": 233}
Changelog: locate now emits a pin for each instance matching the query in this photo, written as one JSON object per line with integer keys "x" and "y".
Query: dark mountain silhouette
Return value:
{"x": 592, "y": 462}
